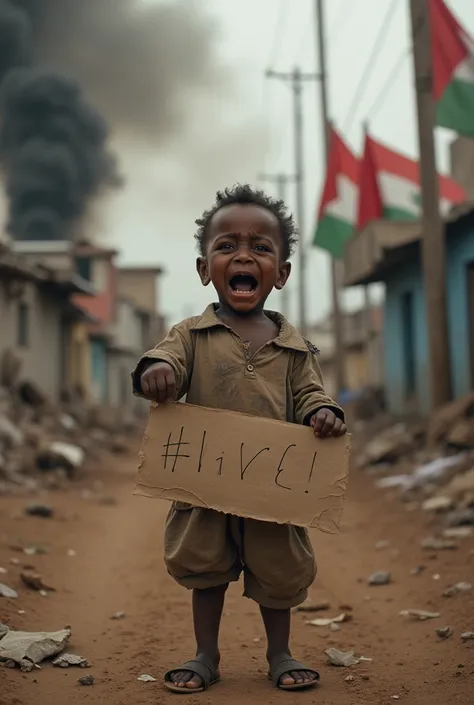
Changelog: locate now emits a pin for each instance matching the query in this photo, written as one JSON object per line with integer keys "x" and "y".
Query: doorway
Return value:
{"x": 408, "y": 343}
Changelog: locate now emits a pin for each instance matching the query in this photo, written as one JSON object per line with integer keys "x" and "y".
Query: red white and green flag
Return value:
{"x": 453, "y": 70}
{"x": 390, "y": 187}
{"x": 338, "y": 207}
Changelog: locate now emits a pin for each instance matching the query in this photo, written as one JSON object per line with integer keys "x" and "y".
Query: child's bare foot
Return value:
{"x": 196, "y": 675}
{"x": 288, "y": 674}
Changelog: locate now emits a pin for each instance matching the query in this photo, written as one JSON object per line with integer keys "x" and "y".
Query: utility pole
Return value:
{"x": 433, "y": 242}
{"x": 296, "y": 79}
{"x": 336, "y": 268}
{"x": 281, "y": 181}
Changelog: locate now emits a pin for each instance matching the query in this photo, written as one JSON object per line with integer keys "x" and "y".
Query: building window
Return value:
{"x": 84, "y": 268}
{"x": 23, "y": 325}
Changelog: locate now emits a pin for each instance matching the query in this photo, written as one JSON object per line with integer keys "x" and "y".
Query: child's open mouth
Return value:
{"x": 243, "y": 284}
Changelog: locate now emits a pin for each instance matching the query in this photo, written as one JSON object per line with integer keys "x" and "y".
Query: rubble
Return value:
{"x": 39, "y": 510}
{"x": 444, "y": 632}
{"x": 86, "y": 680}
{"x": 44, "y": 444}
{"x": 6, "y": 591}
{"x": 467, "y": 636}
{"x": 420, "y": 615}
{"x": 35, "y": 581}
{"x": 32, "y": 647}
{"x": 431, "y": 468}
{"x": 380, "y": 578}
{"x": 66, "y": 660}
{"x": 456, "y": 589}
{"x": 327, "y": 622}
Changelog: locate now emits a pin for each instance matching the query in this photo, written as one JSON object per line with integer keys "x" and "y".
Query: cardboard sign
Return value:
{"x": 244, "y": 465}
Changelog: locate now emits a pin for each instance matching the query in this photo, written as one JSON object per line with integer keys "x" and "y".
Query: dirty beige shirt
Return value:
{"x": 214, "y": 368}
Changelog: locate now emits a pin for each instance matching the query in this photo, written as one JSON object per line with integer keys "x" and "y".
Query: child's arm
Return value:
{"x": 175, "y": 353}
{"x": 313, "y": 407}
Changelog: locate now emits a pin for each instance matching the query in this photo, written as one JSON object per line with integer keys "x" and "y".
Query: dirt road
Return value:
{"x": 118, "y": 566}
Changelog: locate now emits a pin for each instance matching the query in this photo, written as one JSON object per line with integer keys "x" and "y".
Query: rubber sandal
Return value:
{"x": 207, "y": 673}
{"x": 286, "y": 665}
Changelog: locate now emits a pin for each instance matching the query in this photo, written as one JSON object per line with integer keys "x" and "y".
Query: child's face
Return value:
{"x": 244, "y": 256}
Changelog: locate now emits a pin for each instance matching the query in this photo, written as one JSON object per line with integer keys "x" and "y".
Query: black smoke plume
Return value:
{"x": 53, "y": 143}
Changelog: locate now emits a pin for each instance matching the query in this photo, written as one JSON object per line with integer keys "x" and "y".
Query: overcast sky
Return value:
{"x": 234, "y": 136}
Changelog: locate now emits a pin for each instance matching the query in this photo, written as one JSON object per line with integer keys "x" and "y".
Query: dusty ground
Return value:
{"x": 118, "y": 566}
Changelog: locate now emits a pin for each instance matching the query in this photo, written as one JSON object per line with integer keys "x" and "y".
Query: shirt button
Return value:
{"x": 250, "y": 368}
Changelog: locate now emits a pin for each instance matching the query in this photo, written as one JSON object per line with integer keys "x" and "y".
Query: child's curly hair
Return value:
{"x": 244, "y": 193}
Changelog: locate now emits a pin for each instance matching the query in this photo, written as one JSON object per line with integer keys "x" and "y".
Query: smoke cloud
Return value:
{"x": 53, "y": 143}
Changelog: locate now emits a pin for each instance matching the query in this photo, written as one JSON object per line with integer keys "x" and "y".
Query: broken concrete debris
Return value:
{"x": 327, "y": 622}
{"x": 39, "y": 510}
{"x": 8, "y": 592}
{"x": 380, "y": 578}
{"x": 35, "y": 581}
{"x": 42, "y": 444}
{"x": 343, "y": 658}
{"x": 456, "y": 589}
{"x": 444, "y": 632}
{"x": 467, "y": 636}
{"x": 145, "y": 678}
{"x": 66, "y": 660}
{"x": 420, "y": 615}
{"x": 32, "y": 647}
{"x": 86, "y": 680}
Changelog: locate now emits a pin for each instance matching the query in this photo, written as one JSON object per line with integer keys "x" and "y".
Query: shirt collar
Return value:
{"x": 288, "y": 337}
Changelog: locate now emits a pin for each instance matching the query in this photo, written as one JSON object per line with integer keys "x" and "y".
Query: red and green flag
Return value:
{"x": 338, "y": 207}
{"x": 453, "y": 70}
{"x": 390, "y": 187}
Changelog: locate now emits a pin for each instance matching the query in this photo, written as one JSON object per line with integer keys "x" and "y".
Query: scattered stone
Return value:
{"x": 3, "y": 571}
{"x": 365, "y": 676}
{"x": 326, "y": 622}
{"x": 33, "y": 646}
{"x": 334, "y": 627}
{"x": 349, "y": 679}
{"x": 382, "y": 544}
{"x": 35, "y": 581}
{"x": 59, "y": 455}
{"x": 444, "y": 632}
{"x": 380, "y": 578}
{"x": 3, "y": 630}
{"x": 8, "y": 592}
{"x": 461, "y": 517}
{"x": 39, "y": 510}
{"x": 145, "y": 678}
{"x": 437, "y": 504}
{"x": 456, "y": 589}
{"x": 313, "y": 607}
{"x": 10, "y": 434}
{"x": 118, "y": 615}
{"x": 86, "y": 680}
{"x": 467, "y": 636}
{"x": 420, "y": 615}
{"x": 35, "y": 551}
{"x": 458, "y": 532}
{"x": 433, "y": 544}
{"x": 66, "y": 660}
{"x": 71, "y": 552}
{"x": 341, "y": 658}
{"x": 417, "y": 570}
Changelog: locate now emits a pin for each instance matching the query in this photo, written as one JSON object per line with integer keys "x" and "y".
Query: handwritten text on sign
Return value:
{"x": 244, "y": 465}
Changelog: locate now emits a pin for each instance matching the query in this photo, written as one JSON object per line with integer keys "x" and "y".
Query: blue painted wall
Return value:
{"x": 408, "y": 278}
{"x": 460, "y": 254}
{"x": 98, "y": 352}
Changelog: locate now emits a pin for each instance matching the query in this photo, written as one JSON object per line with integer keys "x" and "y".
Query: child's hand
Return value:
{"x": 158, "y": 382}
{"x": 325, "y": 423}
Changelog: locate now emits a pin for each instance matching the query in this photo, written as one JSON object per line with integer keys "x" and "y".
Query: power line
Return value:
{"x": 392, "y": 77}
{"x": 272, "y": 54}
{"x": 370, "y": 65}
{"x": 379, "y": 101}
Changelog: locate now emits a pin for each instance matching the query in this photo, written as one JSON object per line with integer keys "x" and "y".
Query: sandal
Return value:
{"x": 278, "y": 668}
{"x": 206, "y": 672}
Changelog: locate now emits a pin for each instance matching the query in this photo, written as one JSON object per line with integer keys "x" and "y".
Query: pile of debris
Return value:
{"x": 42, "y": 443}
{"x": 430, "y": 465}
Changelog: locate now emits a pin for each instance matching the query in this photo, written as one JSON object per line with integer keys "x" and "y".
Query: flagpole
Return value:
{"x": 336, "y": 268}
{"x": 433, "y": 237}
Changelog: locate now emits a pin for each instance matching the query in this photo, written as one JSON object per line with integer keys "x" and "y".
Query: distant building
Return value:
{"x": 391, "y": 253}
{"x": 42, "y": 326}
{"x": 362, "y": 350}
